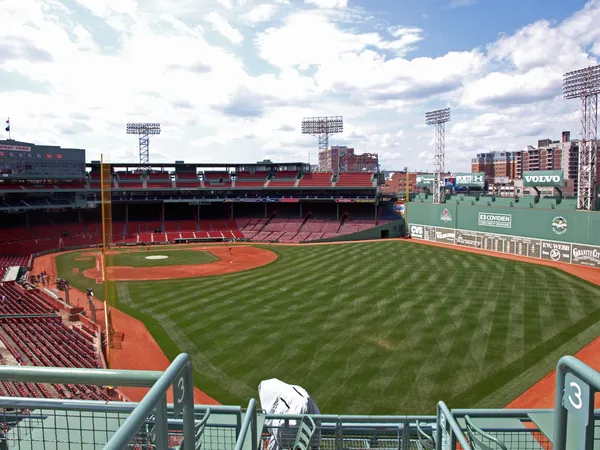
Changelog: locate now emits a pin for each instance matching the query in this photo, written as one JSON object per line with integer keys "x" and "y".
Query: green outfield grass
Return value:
{"x": 137, "y": 258}
{"x": 385, "y": 327}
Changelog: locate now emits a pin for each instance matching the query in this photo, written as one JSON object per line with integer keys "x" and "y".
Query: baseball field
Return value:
{"x": 380, "y": 327}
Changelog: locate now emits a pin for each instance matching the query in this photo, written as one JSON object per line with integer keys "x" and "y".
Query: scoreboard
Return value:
{"x": 513, "y": 245}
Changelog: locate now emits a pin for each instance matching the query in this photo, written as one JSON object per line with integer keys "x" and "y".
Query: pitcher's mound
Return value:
{"x": 156, "y": 257}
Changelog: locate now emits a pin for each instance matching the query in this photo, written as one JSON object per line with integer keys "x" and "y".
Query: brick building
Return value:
{"x": 396, "y": 183}
{"x": 339, "y": 158}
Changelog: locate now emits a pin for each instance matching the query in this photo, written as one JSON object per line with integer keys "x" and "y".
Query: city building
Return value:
{"x": 395, "y": 182}
{"x": 548, "y": 155}
{"x": 339, "y": 158}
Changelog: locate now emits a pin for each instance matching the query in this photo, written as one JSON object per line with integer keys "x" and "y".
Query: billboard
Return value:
{"x": 425, "y": 180}
{"x": 585, "y": 255}
{"x": 470, "y": 180}
{"x": 494, "y": 220}
{"x": 565, "y": 252}
{"x": 501, "y": 180}
{"x": 543, "y": 178}
{"x": 15, "y": 148}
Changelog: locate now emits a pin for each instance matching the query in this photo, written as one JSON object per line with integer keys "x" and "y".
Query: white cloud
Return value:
{"x": 222, "y": 25}
{"x": 261, "y": 13}
{"x": 173, "y": 62}
{"x": 328, "y": 3}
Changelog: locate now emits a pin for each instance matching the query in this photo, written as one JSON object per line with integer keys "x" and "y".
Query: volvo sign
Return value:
{"x": 541, "y": 178}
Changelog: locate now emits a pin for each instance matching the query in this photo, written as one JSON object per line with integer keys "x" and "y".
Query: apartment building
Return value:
{"x": 396, "y": 182}
{"x": 339, "y": 158}
{"x": 495, "y": 164}
{"x": 548, "y": 155}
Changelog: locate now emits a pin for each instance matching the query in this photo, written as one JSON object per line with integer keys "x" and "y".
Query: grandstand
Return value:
{"x": 172, "y": 203}
{"x": 34, "y": 332}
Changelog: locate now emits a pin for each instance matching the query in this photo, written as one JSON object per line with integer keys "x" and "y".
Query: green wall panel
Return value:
{"x": 558, "y": 225}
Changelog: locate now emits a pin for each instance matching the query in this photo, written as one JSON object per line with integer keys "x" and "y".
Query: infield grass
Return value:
{"x": 383, "y": 327}
{"x": 136, "y": 258}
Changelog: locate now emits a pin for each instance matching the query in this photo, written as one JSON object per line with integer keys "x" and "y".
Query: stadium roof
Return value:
{"x": 201, "y": 165}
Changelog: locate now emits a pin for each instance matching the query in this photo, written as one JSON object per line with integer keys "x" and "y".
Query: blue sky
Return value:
{"x": 231, "y": 80}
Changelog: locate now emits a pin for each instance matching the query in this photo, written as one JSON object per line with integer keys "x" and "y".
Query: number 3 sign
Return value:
{"x": 576, "y": 398}
{"x": 179, "y": 392}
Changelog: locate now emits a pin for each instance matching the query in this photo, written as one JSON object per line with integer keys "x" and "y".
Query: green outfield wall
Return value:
{"x": 558, "y": 235}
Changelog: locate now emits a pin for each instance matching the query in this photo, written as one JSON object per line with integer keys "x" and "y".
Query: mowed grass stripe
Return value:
{"x": 251, "y": 281}
{"x": 259, "y": 291}
{"x": 390, "y": 322}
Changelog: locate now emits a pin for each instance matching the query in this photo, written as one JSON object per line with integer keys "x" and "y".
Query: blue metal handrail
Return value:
{"x": 156, "y": 399}
{"x": 569, "y": 364}
{"x": 456, "y": 432}
{"x": 249, "y": 422}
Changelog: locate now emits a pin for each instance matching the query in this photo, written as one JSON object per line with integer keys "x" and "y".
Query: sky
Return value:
{"x": 231, "y": 80}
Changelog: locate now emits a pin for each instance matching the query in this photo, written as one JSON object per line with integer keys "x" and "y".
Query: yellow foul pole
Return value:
{"x": 406, "y": 200}
{"x": 105, "y": 233}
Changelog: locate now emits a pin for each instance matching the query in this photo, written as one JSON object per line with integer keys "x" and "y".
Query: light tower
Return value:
{"x": 322, "y": 127}
{"x": 584, "y": 84}
{"x": 438, "y": 118}
{"x": 144, "y": 130}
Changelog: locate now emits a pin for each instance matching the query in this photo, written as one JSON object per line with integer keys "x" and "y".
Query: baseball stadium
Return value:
{"x": 149, "y": 307}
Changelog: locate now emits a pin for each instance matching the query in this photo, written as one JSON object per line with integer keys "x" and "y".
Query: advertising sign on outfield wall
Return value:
{"x": 565, "y": 252}
{"x": 548, "y": 178}
{"x": 556, "y": 251}
{"x": 494, "y": 220}
{"x": 469, "y": 238}
{"x": 425, "y": 180}
{"x": 416, "y": 231}
{"x": 445, "y": 235}
{"x": 470, "y": 180}
{"x": 586, "y": 255}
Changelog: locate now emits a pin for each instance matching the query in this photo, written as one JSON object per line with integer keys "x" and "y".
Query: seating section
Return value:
{"x": 7, "y": 260}
{"x": 251, "y": 180}
{"x": 316, "y": 179}
{"x": 187, "y": 180}
{"x": 300, "y": 230}
{"x": 42, "y": 339}
{"x": 355, "y": 179}
{"x": 354, "y": 226}
{"x": 283, "y": 179}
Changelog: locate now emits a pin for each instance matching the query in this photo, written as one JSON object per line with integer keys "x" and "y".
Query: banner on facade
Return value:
{"x": 543, "y": 178}
{"x": 425, "y": 180}
{"x": 15, "y": 148}
{"x": 464, "y": 180}
{"x": 494, "y": 220}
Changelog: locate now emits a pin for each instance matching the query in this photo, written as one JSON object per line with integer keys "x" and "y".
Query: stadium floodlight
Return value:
{"x": 322, "y": 127}
{"x": 438, "y": 118}
{"x": 584, "y": 84}
{"x": 144, "y": 130}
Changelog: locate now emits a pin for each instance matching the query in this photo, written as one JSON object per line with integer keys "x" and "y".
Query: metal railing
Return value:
{"x": 348, "y": 432}
{"x": 53, "y": 423}
{"x": 576, "y": 386}
{"x": 146, "y": 423}
{"x": 455, "y": 434}
{"x": 179, "y": 375}
{"x": 249, "y": 423}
